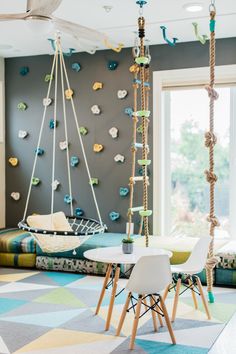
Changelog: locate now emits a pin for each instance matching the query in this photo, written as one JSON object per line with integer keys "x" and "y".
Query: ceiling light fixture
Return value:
{"x": 193, "y": 7}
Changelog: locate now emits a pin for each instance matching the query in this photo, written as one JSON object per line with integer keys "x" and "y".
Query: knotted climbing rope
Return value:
{"x": 210, "y": 142}
{"x": 141, "y": 81}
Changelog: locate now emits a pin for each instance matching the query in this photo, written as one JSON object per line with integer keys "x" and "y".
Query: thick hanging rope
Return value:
{"x": 210, "y": 141}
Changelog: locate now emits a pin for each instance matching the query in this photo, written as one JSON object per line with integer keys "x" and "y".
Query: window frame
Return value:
{"x": 196, "y": 77}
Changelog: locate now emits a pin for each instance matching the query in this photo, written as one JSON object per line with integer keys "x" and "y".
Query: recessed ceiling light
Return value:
{"x": 194, "y": 7}
{"x": 5, "y": 46}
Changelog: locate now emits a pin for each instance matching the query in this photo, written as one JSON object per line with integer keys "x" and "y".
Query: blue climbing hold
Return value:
{"x": 141, "y": 3}
{"x": 113, "y": 215}
{"x": 74, "y": 161}
{"x": 52, "y": 123}
{"x": 68, "y": 199}
{"x": 140, "y": 171}
{"x": 76, "y": 67}
{"x": 24, "y": 70}
{"x": 79, "y": 212}
{"x": 39, "y": 151}
{"x": 124, "y": 191}
{"x": 129, "y": 111}
{"x": 112, "y": 64}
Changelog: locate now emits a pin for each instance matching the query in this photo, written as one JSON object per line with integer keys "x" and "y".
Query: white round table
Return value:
{"x": 114, "y": 257}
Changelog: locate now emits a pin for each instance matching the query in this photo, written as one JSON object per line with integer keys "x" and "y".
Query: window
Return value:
{"x": 181, "y": 192}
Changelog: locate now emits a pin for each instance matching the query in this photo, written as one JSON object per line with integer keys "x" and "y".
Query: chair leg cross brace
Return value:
{"x": 155, "y": 304}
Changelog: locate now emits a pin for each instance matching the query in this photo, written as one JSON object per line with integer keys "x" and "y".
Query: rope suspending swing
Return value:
{"x": 141, "y": 81}
{"x": 51, "y": 240}
{"x": 210, "y": 142}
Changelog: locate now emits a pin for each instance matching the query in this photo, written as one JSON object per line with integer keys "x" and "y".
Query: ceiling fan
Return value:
{"x": 42, "y": 10}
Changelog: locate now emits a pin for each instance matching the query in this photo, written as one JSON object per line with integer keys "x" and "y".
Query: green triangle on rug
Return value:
{"x": 60, "y": 296}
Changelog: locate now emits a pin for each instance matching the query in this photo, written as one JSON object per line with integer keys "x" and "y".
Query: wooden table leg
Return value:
{"x": 112, "y": 299}
{"x": 106, "y": 280}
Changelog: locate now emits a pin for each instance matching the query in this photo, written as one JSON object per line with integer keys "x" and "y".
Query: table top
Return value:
{"x": 116, "y": 256}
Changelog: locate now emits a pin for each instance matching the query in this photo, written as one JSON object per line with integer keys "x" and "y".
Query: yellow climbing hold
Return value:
{"x": 69, "y": 93}
{"x": 98, "y": 147}
{"x": 134, "y": 68}
{"x": 13, "y": 161}
{"x": 97, "y": 86}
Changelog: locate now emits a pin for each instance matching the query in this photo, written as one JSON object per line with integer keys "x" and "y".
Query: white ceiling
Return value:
{"x": 119, "y": 23}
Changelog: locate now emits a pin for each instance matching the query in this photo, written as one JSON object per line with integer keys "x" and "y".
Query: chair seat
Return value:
{"x": 181, "y": 268}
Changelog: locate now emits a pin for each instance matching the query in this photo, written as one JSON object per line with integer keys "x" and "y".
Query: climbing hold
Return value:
{"x": 83, "y": 131}
{"x": 113, "y": 215}
{"x": 140, "y": 172}
{"x": 202, "y": 38}
{"x": 142, "y": 60}
{"x": 68, "y": 199}
{"x": 79, "y": 212}
{"x": 13, "y": 161}
{"x": 63, "y": 145}
{"x": 140, "y": 129}
{"x": 76, "y": 67}
{"x": 122, "y": 94}
{"x": 22, "y": 134}
{"x": 74, "y": 161}
{"x": 112, "y": 64}
{"x": 24, "y": 70}
{"x": 143, "y": 113}
{"x": 22, "y": 106}
{"x": 134, "y": 68}
{"x": 95, "y": 109}
{"x": 97, "y": 86}
{"x": 98, "y": 147}
{"x": 113, "y": 132}
{"x": 119, "y": 158}
{"x": 129, "y": 111}
{"x": 55, "y": 184}
{"x": 94, "y": 181}
{"x": 39, "y": 151}
{"x": 145, "y": 212}
{"x": 15, "y": 195}
{"x": 35, "y": 181}
{"x": 69, "y": 94}
{"x": 47, "y": 101}
{"x": 110, "y": 46}
{"x": 52, "y": 123}
{"x": 172, "y": 42}
{"x": 48, "y": 77}
{"x": 144, "y": 162}
{"x": 124, "y": 191}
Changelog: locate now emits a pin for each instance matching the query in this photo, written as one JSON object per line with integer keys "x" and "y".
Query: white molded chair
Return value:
{"x": 149, "y": 278}
{"x": 194, "y": 265}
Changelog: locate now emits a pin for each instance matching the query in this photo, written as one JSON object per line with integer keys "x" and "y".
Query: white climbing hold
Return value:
{"x": 113, "y": 132}
{"x": 15, "y": 195}
{"x": 95, "y": 109}
{"x": 63, "y": 145}
{"x": 22, "y": 134}
{"x": 119, "y": 158}
{"x": 47, "y": 101}
{"x": 55, "y": 184}
{"x": 122, "y": 94}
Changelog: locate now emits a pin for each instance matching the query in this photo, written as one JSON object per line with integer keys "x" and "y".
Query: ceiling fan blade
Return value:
{"x": 78, "y": 31}
{"x": 9, "y": 17}
{"x": 42, "y": 7}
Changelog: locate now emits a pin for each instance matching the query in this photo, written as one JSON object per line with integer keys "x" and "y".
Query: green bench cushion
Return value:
{"x": 24, "y": 260}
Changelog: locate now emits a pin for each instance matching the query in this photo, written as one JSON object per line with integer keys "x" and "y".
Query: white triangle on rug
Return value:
{"x": 21, "y": 286}
{"x": 3, "y": 347}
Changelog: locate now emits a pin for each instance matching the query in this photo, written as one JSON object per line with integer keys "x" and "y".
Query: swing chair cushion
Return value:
{"x": 54, "y": 222}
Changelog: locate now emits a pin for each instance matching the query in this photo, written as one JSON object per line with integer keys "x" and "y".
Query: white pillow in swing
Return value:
{"x": 54, "y": 222}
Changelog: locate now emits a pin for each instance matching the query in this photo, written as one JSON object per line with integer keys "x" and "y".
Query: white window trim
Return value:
{"x": 2, "y": 145}
{"x": 225, "y": 74}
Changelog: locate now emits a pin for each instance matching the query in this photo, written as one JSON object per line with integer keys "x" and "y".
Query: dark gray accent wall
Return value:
{"x": 31, "y": 89}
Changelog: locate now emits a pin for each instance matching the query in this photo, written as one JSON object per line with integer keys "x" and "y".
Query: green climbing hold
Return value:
{"x": 48, "y": 77}
{"x": 94, "y": 181}
{"x": 22, "y": 106}
{"x": 140, "y": 129}
{"x": 83, "y": 131}
{"x": 143, "y": 113}
{"x": 144, "y": 162}
{"x": 211, "y": 297}
{"x": 145, "y": 213}
{"x": 35, "y": 181}
{"x": 142, "y": 60}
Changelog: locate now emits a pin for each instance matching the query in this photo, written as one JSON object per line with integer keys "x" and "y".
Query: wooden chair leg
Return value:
{"x": 123, "y": 315}
{"x": 112, "y": 299}
{"x": 193, "y": 294}
{"x": 135, "y": 324}
{"x": 145, "y": 303}
{"x": 167, "y": 319}
{"x": 176, "y": 299}
{"x": 199, "y": 284}
{"x": 106, "y": 280}
{"x": 160, "y": 316}
{"x": 154, "y": 318}
{"x": 166, "y": 292}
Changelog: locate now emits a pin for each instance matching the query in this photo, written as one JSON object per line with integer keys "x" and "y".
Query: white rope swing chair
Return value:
{"x": 77, "y": 229}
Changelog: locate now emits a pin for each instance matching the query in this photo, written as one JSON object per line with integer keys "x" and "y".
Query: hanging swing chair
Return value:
{"x": 56, "y": 232}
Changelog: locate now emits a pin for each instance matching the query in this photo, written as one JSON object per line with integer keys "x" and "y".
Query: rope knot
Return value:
{"x": 213, "y": 220}
{"x": 210, "y": 176}
{"x": 210, "y": 139}
{"x": 212, "y": 93}
{"x": 212, "y": 262}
